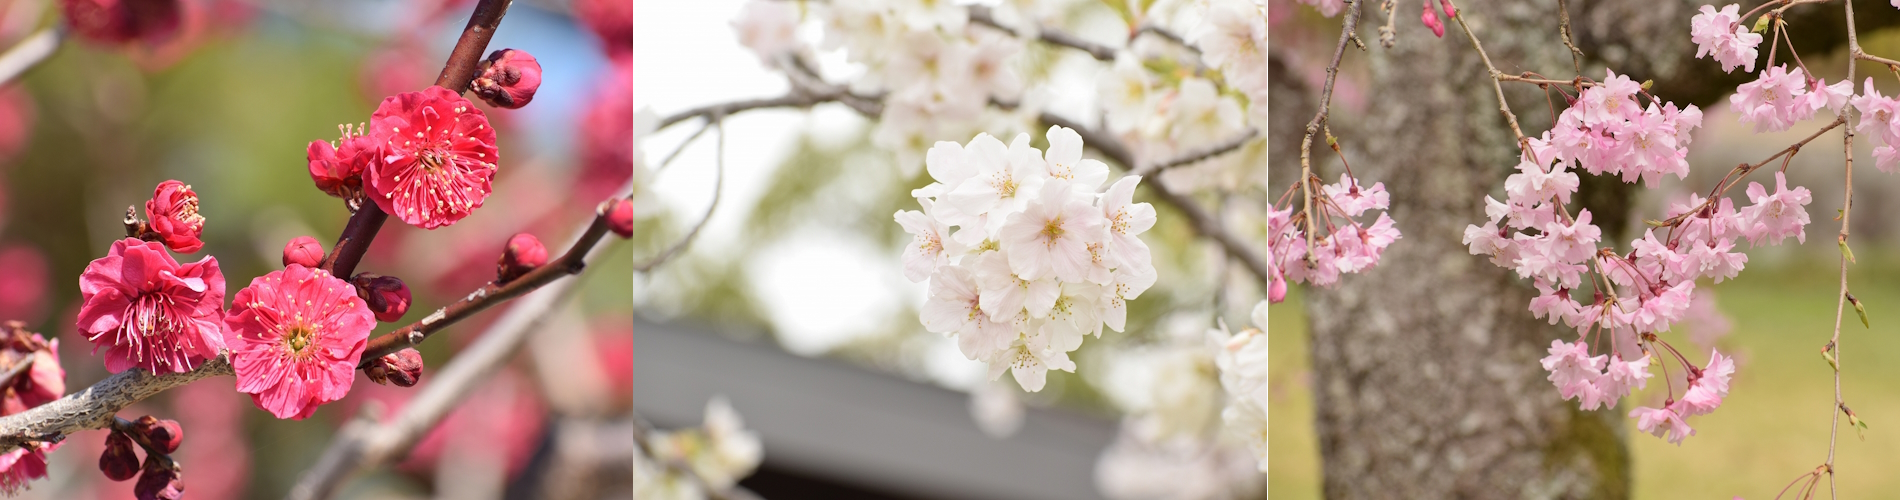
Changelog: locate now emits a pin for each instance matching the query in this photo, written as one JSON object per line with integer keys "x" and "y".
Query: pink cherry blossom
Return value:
{"x": 1651, "y": 140}
{"x": 1555, "y": 303}
{"x": 1572, "y": 368}
{"x": 1709, "y": 385}
{"x": 1777, "y": 216}
{"x": 1356, "y": 199}
{"x": 1621, "y": 377}
{"x": 1775, "y": 101}
{"x": 955, "y": 307}
{"x": 1660, "y": 421}
{"x": 1533, "y": 183}
{"x": 1611, "y": 99}
{"x": 296, "y": 336}
{"x": 930, "y": 246}
{"x": 148, "y": 311}
{"x": 1721, "y": 35}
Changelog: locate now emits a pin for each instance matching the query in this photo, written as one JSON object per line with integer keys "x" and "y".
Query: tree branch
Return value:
{"x": 363, "y": 444}
{"x": 980, "y": 14}
{"x": 29, "y": 53}
{"x": 456, "y": 74}
{"x": 94, "y": 407}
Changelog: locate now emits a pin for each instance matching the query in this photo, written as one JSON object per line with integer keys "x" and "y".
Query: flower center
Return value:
{"x": 1052, "y": 230}
{"x": 299, "y": 338}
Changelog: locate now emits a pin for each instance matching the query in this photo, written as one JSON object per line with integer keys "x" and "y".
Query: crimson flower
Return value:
{"x": 508, "y": 79}
{"x": 296, "y": 336}
{"x": 438, "y": 161}
{"x": 173, "y": 210}
{"x": 148, "y": 311}
{"x": 338, "y": 168}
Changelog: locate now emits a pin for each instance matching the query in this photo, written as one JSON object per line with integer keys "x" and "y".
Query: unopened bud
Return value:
{"x": 161, "y": 480}
{"x": 387, "y": 296}
{"x": 508, "y": 79}
{"x": 165, "y": 435}
{"x": 303, "y": 251}
{"x": 619, "y": 213}
{"x": 402, "y": 368}
{"x": 119, "y": 462}
{"x": 524, "y": 254}
{"x": 1430, "y": 18}
{"x": 1450, "y": 11}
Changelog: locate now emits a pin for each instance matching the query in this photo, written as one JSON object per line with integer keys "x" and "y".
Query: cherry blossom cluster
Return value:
{"x": 1634, "y": 294}
{"x": 1720, "y": 35}
{"x": 1608, "y": 132}
{"x": 937, "y": 70}
{"x": 1198, "y": 429}
{"x": 1783, "y": 97}
{"x": 1039, "y": 256}
{"x": 718, "y": 453}
{"x": 1157, "y": 102}
{"x": 1347, "y": 246}
{"x": 1880, "y": 121}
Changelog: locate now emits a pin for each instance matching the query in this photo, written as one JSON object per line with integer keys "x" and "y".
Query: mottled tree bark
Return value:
{"x": 1426, "y": 375}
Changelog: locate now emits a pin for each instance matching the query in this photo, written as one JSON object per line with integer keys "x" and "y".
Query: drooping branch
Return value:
{"x": 980, "y": 14}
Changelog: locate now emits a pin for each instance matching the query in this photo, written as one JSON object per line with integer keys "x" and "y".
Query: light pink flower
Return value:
{"x": 1553, "y": 302}
{"x": 148, "y": 311}
{"x": 296, "y": 336}
{"x": 1611, "y": 99}
{"x": 1660, "y": 421}
{"x": 930, "y": 246}
{"x": 1533, "y": 184}
{"x": 1356, "y": 198}
{"x": 1720, "y": 34}
{"x": 1777, "y": 216}
{"x": 1572, "y": 369}
{"x": 1623, "y": 376}
{"x": 1050, "y": 237}
{"x": 1775, "y": 101}
{"x": 1709, "y": 385}
{"x": 438, "y": 160}
{"x": 1651, "y": 140}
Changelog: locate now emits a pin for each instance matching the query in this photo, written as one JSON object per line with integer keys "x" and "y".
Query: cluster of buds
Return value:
{"x": 159, "y": 477}
{"x": 508, "y": 79}
{"x": 171, "y": 218}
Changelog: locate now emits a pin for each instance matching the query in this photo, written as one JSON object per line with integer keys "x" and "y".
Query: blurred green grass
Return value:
{"x": 1771, "y": 429}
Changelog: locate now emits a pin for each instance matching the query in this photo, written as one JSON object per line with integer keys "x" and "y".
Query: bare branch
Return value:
{"x": 980, "y": 14}
{"x": 1213, "y": 150}
{"x": 363, "y": 444}
{"x": 94, "y": 407}
{"x": 29, "y": 53}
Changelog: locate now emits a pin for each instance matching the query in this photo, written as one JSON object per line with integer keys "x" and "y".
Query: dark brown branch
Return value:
{"x": 456, "y": 74}
{"x": 1203, "y": 222}
{"x": 981, "y": 15}
{"x": 1204, "y": 153}
{"x": 487, "y": 296}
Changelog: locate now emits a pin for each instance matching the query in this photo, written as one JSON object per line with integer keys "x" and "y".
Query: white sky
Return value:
{"x": 819, "y": 288}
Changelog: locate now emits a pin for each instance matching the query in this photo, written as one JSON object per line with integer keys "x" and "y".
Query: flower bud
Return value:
{"x": 1430, "y": 18}
{"x": 161, "y": 480}
{"x": 165, "y": 435}
{"x": 524, "y": 254}
{"x": 1451, "y": 12}
{"x": 619, "y": 212}
{"x": 402, "y": 368}
{"x": 387, "y": 296}
{"x": 173, "y": 211}
{"x": 508, "y": 79}
{"x": 1276, "y": 291}
{"x": 303, "y": 251}
{"x": 119, "y": 462}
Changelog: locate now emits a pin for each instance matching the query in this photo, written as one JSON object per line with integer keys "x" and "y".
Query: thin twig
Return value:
{"x": 1496, "y": 76}
{"x": 719, "y": 185}
{"x": 1563, "y": 28}
{"x": 1840, "y": 301}
{"x": 1213, "y": 150}
{"x": 1314, "y": 126}
{"x": 980, "y": 14}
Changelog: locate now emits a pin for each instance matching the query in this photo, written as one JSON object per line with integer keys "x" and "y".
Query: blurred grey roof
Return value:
{"x": 827, "y": 419}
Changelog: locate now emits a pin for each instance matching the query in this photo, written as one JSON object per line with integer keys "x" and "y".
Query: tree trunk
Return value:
{"x": 1427, "y": 382}
{"x": 1426, "y": 375}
